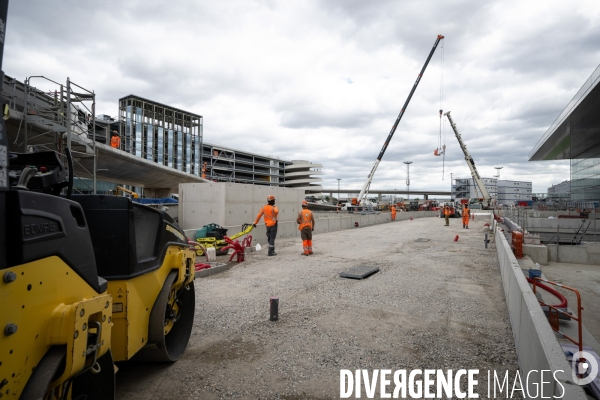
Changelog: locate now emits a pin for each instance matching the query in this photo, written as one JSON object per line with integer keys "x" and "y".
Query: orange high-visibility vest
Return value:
{"x": 115, "y": 142}
{"x": 305, "y": 219}
{"x": 447, "y": 211}
{"x": 270, "y": 213}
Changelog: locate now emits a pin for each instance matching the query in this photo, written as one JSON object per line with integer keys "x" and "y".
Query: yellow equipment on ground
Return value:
{"x": 218, "y": 242}
{"x": 86, "y": 281}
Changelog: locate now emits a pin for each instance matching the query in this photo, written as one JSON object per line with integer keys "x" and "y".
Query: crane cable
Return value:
{"x": 442, "y": 135}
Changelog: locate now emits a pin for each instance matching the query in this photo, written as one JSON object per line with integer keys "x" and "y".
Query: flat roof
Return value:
{"x": 555, "y": 144}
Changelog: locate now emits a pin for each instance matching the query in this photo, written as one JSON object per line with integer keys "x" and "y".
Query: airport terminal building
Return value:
{"x": 575, "y": 136}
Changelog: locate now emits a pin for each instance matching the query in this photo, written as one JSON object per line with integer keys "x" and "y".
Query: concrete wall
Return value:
{"x": 537, "y": 347}
{"x": 326, "y": 222}
{"x": 537, "y": 252}
{"x": 588, "y": 253}
{"x": 232, "y": 204}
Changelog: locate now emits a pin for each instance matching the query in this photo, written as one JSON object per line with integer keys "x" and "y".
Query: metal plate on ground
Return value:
{"x": 422, "y": 240}
{"x": 359, "y": 272}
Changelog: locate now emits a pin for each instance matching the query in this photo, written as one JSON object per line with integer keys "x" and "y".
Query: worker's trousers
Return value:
{"x": 271, "y": 234}
{"x": 447, "y": 219}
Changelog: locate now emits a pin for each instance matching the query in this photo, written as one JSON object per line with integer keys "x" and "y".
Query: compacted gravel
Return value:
{"x": 434, "y": 304}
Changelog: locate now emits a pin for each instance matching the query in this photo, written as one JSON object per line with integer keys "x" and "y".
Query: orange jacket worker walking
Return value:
{"x": 306, "y": 225}
{"x": 465, "y": 217}
{"x": 270, "y": 213}
{"x": 393, "y": 209}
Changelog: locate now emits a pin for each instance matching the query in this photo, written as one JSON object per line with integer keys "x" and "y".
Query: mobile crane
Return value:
{"x": 363, "y": 192}
{"x": 476, "y": 178}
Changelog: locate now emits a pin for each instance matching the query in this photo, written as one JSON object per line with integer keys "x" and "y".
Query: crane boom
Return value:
{"x": 476, "y": 178}
{"x": 365, "y": 187}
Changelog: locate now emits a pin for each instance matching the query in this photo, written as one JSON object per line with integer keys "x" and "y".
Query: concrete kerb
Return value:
{"x": 535, "y": 341}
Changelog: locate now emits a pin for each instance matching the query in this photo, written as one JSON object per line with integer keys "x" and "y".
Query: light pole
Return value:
{"x": 338, "y": 179}
{"x": 408, "y": 178}
{"x": 497, "y": 179}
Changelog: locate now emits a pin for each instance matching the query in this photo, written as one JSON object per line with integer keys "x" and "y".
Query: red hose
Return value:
{"x": 563, "y": 299}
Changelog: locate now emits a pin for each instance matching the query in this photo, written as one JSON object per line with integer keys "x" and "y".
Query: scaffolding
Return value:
{"x": 54, "y": 116}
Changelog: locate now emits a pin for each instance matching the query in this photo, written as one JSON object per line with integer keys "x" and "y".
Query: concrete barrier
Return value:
{"x": 587, "y": 253}
{"x": 326, "y": 222}
{"x": 536, "y": 344}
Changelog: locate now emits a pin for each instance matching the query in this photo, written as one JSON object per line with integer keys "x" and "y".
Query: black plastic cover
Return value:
{"x": 129, "y": 239}
{"x": 41, "y": 225}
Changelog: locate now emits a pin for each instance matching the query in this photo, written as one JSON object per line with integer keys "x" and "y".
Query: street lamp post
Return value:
{"x": 338, "y": 179}
{"x": 497, "y": 179}
{"x": 408, "y": 178}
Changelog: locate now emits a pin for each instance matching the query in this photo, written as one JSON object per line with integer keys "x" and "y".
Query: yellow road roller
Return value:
{"x": 85, "y": 281}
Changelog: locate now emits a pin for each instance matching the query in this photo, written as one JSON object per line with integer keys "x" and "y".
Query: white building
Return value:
{"x": 511, "y": 192}
{"x": 465, "y": 188}
{"x": 503, "y": 191}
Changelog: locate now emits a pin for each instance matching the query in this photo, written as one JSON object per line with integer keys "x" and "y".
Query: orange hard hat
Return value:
{"x": 270, "y": 197}
{"x": 304, "y": 202}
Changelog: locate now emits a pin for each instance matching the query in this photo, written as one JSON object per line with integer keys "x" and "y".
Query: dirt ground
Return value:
{"x": 434, "y": 304}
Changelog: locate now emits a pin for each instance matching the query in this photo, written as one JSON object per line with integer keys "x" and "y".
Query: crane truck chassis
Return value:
{"x": 87, "y": 280}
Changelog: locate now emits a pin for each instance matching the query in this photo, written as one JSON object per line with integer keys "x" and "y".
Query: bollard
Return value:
{"x": 356, "y": 224}
{"x": 456, "y": 238}
{"x": 274, "y": 308}
{"x": 486, "y": 240}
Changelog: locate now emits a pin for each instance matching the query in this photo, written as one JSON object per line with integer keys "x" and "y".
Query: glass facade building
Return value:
{"x": 161, "y": 133}
{"x": 575, "y": 136}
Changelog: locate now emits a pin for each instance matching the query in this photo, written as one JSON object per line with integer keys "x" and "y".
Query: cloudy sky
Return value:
{"x": 324, "y": 80}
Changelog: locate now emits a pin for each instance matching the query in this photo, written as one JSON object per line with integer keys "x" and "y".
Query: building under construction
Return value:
{"x": 164, "y": 145}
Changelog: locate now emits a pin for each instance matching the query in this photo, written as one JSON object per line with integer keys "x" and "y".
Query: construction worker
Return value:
{"x": 393, "y": 210}
{"x": 466, "y": 214}
{"x": 270, "y": 212}
{"x": 204, "y": 170}
{"x": 447, "y": 214}
{"x": 306, "y": 226}
{"x": 115, "y": 140}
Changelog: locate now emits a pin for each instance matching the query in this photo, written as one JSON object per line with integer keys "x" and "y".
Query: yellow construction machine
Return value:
{"x": 213, "y": 236}
{"x": 120, "y": 190}
{"x": 86, "y": 281}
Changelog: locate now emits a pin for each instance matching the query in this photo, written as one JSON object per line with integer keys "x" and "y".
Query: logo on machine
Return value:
{"x": 39, "y": 229}
{"x": 175, "y": 232}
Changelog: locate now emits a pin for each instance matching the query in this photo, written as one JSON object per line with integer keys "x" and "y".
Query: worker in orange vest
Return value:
{"x": 306, "y": 226}
{"x": 393, "y": 209}
{"x": 465, "y": 216}
{"x": 115, "y": 140}
{"x": 270, "y": 213}
{"x": 447, "y": 214}
{"x": 204, "y": 170}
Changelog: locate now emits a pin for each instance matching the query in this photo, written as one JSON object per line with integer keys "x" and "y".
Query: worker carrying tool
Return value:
{"x": 466, "y": 214}
{"x": 115, "y": 140}
{"x": 270, "y": 213}
{"x": 393, "y": 211}
{"x": 306, "y": 226}
{"x": 447, "y": 214}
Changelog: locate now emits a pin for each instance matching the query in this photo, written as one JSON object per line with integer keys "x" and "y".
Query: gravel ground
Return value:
{"x": 435, "y": 304}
